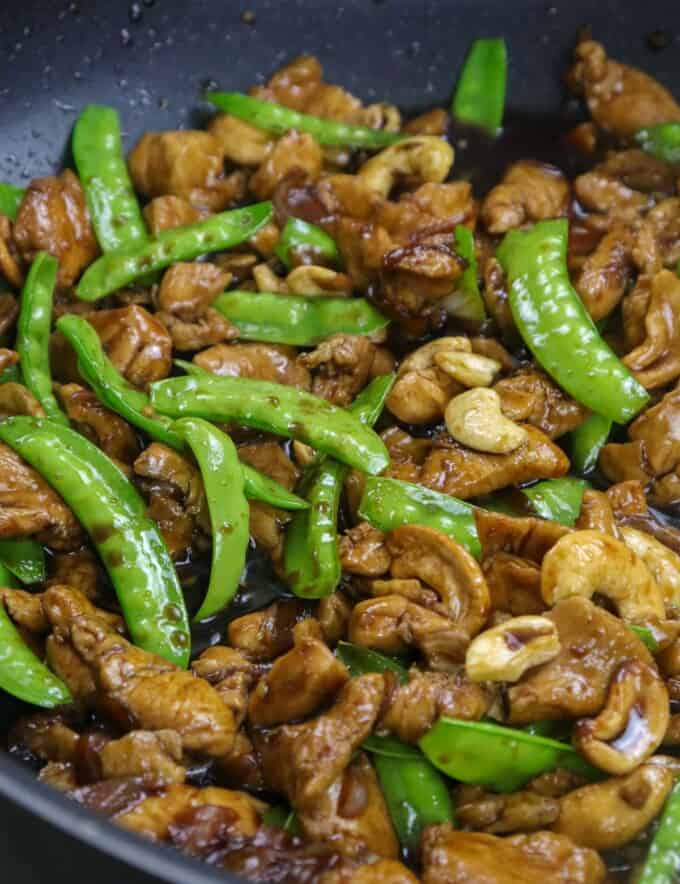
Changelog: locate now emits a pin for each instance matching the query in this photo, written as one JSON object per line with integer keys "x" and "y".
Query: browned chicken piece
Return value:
{"x": 342, "y": 365}
{"x": 53, "y": 218}
{"x": 514, "y": 584}
{"x": 529, "y": 538}
{"x": 523, "y": 811}
{"x": 657, "y": 242}
{"x": 265, "y": 634}
{"x": 60, "y": 775}
{"x": 596, "y": 513}
{"x": 241, "y": 142}
{"x": 533, "y": 397}
{"x": 412, "y": 708}
{"x": 429, "y": 212}
{"x": 294, "y": 151}
{"x": 8, "y": 357}
{"x": 9, "y": 310}
{"x": 17, "y": 399}
{"x": 174, "y": 522}
{"x": 299, "y": 682}
{"x": 605, "y": 274}
{"x": 627, "y": 499}
{"x": 136, "y": 342}
{"x": 29, "y": 506}
{"x": 187, "y": 164}
{"x": 107, "y": 430}
{"x": 265, "y": 362}
{"x": 25, "y": 609}
{"x": 529, "y": 191}
{"x": 10, "y": 259}
{"x": 432, "y": 122}
{"x": 333, "y": 613}
{"x": 168, "y": 212}
{"x": 163, "y": 466}
{"x": 268, "y": 457}
{"x": 621, "y": 99}
{"x": 623, "y": 186}
{"x": 155, "y": 754}
{"x": 79, "y": 570}
{"x": 655, "y": 359}
{"x": 363, "y": 551}
{"x": 575, "y": 683}
{"x": 495, "y": 297}
{"x": 50, "y": 736}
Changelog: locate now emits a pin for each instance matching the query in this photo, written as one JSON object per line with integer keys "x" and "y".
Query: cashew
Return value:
{"x": 663, "y": 563}
{"x": 425, "y": 356}
{"x": 611, "y": 813}
{"x": 475, "y": 419}
{"x": 470, "y": 369}
{"x": 381, "y": 115}
{"x": 425, "y": 157}
{"x": 310, "y": 279}
{"x": 505, "y": 652}
{"x": 587, "y": 562}
{"x": 632, "y": 724}
{"x": 267, "y": 281}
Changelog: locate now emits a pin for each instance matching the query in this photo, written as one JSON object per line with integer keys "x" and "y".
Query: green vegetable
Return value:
{"x": 11, "y": 374}
{"x": 25, "y": 558}
{"x": 500, "y": 758}
{"x": 308, "y": 241}
{"x": 662, "y": 141}
{"x": 466, "y": 301}
{"x": 257, "y": 486}
{"x": 98, "y": 155}
{"x": 222, "y": 477}
{"x": 390, "y": 747}
{"x": 33, "y": 333}
{"x": 359, "y": 661}
{"x": 279, "y": 120}
{"x": 646, "y": 636}
{"x": 557, "y": 499}
{"x": 587, "y": 441}
{"x": 10, "y": 199}
{"x": 555, "y": 326}
{"x": 662, "y": 865}
{"x": 480, "y": 94}
{"x": 311, "y": 557}
{"x": 112, "y": 512}
{"x": 126, "y": 265}
{"x": 108, "y": 383}
{"x": 388, "y": 503}
{"x": 274, "y": 408}
{"x": 557, "y": 730}
{"x": 295, "y": 319}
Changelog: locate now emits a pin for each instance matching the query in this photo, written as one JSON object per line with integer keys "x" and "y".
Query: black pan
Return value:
{"x": 151, "y": 59}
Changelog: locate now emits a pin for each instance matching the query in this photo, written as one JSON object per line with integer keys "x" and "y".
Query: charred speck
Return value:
{"x": 657, "y": 40}
{"x": 248, "y": 17}
{"x": 101, "y": 533}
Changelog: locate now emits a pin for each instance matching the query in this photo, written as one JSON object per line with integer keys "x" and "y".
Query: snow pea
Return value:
{"x": 558, "y": 500}
{"x": 587, "y": 441}
{"x": 33, "y": 333}
{"x": 389, "y": 503}
{"x": 466, "y": 302}
{"x": 11, "y": 374}
{"x": 297, "y": 320}
{"x": 556, "y": 327}
{"x": 222, "y": 477}
{"x": 257, "y": 486}
{"x": 112, "y": 512}
{"x": 645, "y": 635}
{"x": 662, "y": 142}
{"x": 129, "y": 263}
{"x": 311, "y": 559}
{"x": 305, "y": 241}
{"x": 10, "y": 199}
{"x": 359, "y": 661}
{"x": 98, "y": 155}
{"x": 25, "y": 558}
{"x": 279, "y": 119}
{"x": 662, "y": 865}
{"x": 480, "y": 93}
{"x": 275, "y": 408}
{"x": 500, "y": 758}
{"x": 110, "y": 386}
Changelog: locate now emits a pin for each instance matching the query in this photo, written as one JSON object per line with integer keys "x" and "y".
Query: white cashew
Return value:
{"x": 425, "y": 157}
{"x": 310, "y": 279}
{"x": 505, "y": 652}
{"x": 587, "y": 562}
{"x": 380, "y": 115}
{"x": 662, "y": 562}
{"x": 475, "y": 419}
{"x": 469, "y": 369}
{"x": 267, "y": 281}
{"x": 424, "y": 357}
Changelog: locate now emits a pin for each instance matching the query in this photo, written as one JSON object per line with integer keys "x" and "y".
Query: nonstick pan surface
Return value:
{"x": 151, "y": 60}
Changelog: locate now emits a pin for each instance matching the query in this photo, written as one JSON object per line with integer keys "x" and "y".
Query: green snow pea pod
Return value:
{"x": 295, "y": 319}
{"x": 25, "y": 558}
{"x": 587, "y": 441}
{"x": 558, "y": 500}
{"x": 127, "y": 264}
{"x": 222, "y": 477}
{"x": 466, "y": 302}
{"x": 10, "y": 199}
{"x": 33, "y": 333}
{"x": 662, "y": 142}
{"x": 98, "y": 155}
{"x": 480, "y": 93}
{"x": 360, "y": 660}
{"x": 302, "y": 240}
{"x": 279, "y": 119}
{"x": 112, "y": 512}
{"x": 11, "y": 374}
{"x": 257, "y": 486}
{"x": 275, "y": 408}
{"x": 662, "y": 865}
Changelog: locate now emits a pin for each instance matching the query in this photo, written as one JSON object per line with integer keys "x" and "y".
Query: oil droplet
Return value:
{"x": 125, "y": 37}
{"x": 135, "y": 13}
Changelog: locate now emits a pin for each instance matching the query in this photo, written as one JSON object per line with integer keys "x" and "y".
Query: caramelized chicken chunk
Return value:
{"x": 266, "y": 362}
{"x": 528, "y": 192}
{"x": 532, "y": 397}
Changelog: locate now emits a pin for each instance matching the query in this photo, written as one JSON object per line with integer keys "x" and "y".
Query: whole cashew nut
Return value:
{"x": 469, "y": 369}
{"x": 505, "y": 652}
{"x": 663, "y": 563}
{"x": 425, "y": 356}
{"x": 475, "y": 419}
{"x": 311, "y": 279}
{"x": 587, "y": 562}
{"x": 632, "y": 724}
{"x": 425, "y": 157}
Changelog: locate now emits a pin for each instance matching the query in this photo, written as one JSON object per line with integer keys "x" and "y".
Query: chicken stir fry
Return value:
{"x": 409, "y": 447}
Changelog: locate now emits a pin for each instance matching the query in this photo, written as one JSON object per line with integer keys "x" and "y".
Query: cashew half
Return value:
{"x": 663, "y": 563}
{"x": 505, "y": 652}
{"x": 425, "y": 356}
{"x": 424, "y": 157}
{"x": 632, "y": 724}
{"x": 267, "y": 281}
{"x": 475, "y": 419}
{"x": 587, "y": 562}
{"x": 469, "y": 369}
{"x": 311, "y": 279}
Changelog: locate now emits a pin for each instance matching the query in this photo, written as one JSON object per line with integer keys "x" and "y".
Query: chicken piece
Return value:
{"x": 655, "y": 361}
{"x": 295, "y": 150}
{"x": 623, "y": 186}
{"x": 25, "y": 609}
{"x": 156, "y": 754}
{"x": 49, "y": 736}
{"x": 627, "y": 499}
{"x": 453, "y": 857}
{"x": 165, "y": 468}
{"x": 107, "y": 430}
{"x": 268, "y": 457}
{"x": 533, "y": 397}
{"x": 29, "y": 506}
{"x": 188, "y": 164}
{"x": 621, "y": 99}
{"x": 266, "y": 362}
{"x": 9, "y": 310}
{"x": 299, "y": 681}
{"x": 10, "y": 259}
{"x": 53, "y": 218}
{"x": 363, "y": 551}
{"x": 333, "y": 613}
{"x": 17, "y": 399}
{"x": 60, "y": 775}
{"x": 432, "y": 122}
{"x": 79, "y": 569}
{"x": 523, "y": 811}
{"x": 529, "y": 191}
{"x": 344, "y": 366}
{"x": 266, "y": 634}
{"x": 8, "y": 358}
{"x": 593, "y": 644}
{"x": 411, "y": 709}
{"x": 423, "y": 388}
{"x": 514, "y": 584}
{"x": 242, "y": 143}
{"x": 606, "y": 273}
{"x": 657, "y": 242}
{"x": 529, "y": 538}
{"x": 596, "y": 514}
{"x": 168, "y": 212}
{"x": 495, "y": 297}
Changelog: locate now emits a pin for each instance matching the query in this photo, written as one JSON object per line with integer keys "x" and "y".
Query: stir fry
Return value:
{"x": 337, "y": 536}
